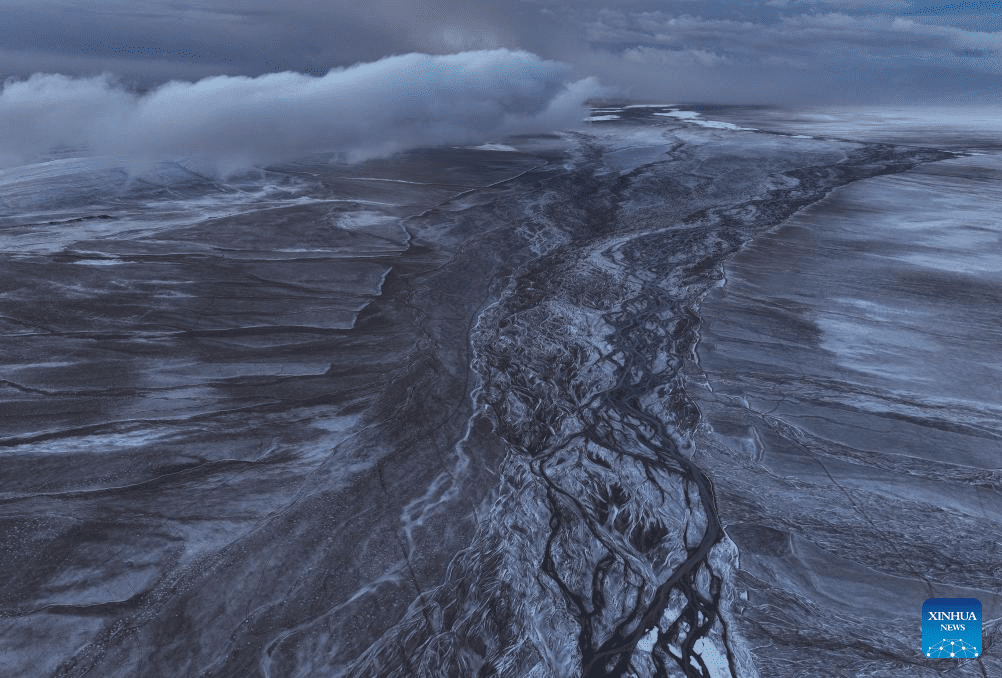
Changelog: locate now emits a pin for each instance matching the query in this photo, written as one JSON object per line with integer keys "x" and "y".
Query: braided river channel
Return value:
{"x": 685, "y": 392}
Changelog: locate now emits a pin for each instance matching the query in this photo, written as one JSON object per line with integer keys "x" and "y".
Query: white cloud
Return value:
{"x": 363, "y": 111}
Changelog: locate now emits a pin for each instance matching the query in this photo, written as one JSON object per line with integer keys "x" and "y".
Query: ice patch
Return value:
{"x": 693, "y": 117}
{"x": 357, "y": 221}
{"x": 716, "y": 662}
{"x": 595, "y": 118}
{"x": 648, "y": 640}
{"x": 98, "y": 262}
{"x": 716, "y": 124}
{"x": 495, "y": 147}
{"x": 681, "y": 115}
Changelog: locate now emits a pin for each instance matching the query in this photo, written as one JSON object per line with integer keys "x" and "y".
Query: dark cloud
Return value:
{"x": 862, "y": 52}
{"x": 765, "y": 51}
{"x": 936, "y": 8}
{"x": 249, "y": 40}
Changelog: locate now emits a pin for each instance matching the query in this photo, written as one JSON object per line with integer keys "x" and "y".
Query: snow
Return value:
{"x": 693, "y": 117}
{"x": 495, "y": 147}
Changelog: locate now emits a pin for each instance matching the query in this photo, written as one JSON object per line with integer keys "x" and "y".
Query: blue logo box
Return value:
{"x": 951, "y": 628}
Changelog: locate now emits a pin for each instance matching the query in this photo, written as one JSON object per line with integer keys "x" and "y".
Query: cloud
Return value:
{"x": 848, "y": 4}
{"x": 366, "y": 110}
{"x": 793, "y": 58}
{"x": 764, "y": 51}
{"x": 940, "y": 8}
{"x": 240, "y": 37}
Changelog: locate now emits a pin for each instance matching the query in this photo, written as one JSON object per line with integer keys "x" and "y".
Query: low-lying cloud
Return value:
{"x": 233, "y": 122}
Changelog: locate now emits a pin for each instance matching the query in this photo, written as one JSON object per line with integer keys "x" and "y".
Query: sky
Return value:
{"x": 749, "y": 51}
{"x": 543, "y": 55}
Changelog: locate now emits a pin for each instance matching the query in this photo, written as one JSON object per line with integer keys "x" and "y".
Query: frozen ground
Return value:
{"x": 667, "y": 395}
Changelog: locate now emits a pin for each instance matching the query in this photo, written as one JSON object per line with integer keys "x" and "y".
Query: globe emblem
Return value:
{"x": 946, "y": 649}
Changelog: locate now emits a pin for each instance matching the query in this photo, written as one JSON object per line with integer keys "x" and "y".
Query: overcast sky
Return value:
{"x": 259, "y": 81}
{"x": 729, "y": 50}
